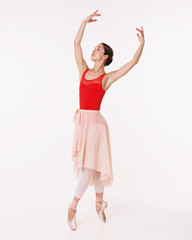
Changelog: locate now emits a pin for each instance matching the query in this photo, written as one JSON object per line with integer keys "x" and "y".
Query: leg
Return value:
{"x": 99, "y": 190}
{"x": 82, "y": 184}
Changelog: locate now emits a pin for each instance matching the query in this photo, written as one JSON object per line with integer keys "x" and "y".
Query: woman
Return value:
{"x": 91, "y": 150}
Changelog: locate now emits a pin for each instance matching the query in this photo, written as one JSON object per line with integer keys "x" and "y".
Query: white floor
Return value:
{"x": 34, "y": 206}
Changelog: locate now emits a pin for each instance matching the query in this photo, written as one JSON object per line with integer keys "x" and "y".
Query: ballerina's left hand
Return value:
{"x": 141, "y": 38}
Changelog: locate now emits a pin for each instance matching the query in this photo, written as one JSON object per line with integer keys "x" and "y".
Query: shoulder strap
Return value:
{"x": 101, "y": 78}
{"x": 85, "y": 72}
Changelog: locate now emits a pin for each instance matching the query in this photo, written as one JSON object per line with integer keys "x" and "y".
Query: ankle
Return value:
{"x": 74, "y": 204}
{"x": 99, "y": 196}
{"x": 99, "y": 199}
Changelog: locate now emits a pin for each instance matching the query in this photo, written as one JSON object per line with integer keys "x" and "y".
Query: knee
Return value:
{"x": 86, "y": 171}
{"x": 96, "y": 175}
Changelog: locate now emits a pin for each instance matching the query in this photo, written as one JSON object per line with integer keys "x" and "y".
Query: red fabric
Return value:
{"x": 91, "y": 92}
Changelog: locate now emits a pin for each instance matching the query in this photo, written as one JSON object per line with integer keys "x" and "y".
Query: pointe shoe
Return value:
{"x": 102, "y": 204}
{"x": 73, "y": 223}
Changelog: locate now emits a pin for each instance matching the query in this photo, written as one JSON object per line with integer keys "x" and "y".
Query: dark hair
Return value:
{"x": 109, "y": 52}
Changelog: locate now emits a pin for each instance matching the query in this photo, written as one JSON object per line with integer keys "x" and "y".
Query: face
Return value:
{"x": 98, "y": 52}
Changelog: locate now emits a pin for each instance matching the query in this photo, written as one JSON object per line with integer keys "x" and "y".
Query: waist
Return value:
{"x": 88, "y": 110}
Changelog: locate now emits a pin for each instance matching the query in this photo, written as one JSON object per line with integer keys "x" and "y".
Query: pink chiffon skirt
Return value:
{"x": 91, "y": 146}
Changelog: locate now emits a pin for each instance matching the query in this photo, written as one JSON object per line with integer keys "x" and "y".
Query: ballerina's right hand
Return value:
{"x": 89, "y": 18}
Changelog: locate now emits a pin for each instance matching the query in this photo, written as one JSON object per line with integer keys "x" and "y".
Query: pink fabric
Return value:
{"x": 91, "y": 146}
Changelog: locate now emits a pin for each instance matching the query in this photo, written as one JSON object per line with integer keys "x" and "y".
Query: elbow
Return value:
{"x": 134, "y": 62}
{"x": 76, "y": 43}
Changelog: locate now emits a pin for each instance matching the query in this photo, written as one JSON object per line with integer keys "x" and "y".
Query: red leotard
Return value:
{"x": 91, "y": 92}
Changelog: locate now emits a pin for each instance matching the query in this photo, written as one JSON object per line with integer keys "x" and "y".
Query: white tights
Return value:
{"x": 83, "y": 182}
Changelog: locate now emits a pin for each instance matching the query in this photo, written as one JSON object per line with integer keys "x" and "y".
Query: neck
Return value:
{"x": 98, "y": 68}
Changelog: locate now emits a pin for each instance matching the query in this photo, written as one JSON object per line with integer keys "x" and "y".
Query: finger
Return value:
{"x": 94, "y": 13}
{"x": 138, "y": 29}
{"x": 97, "y": 14}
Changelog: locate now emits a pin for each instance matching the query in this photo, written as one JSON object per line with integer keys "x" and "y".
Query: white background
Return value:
{"x": 148, "y": 112}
